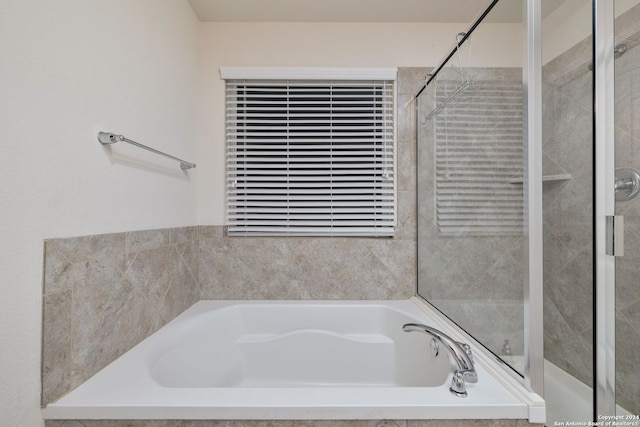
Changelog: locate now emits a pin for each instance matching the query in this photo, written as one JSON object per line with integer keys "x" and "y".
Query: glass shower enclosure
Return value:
{"x": 470, "y": 134}
{"x": 617, "y": 150}
{"x": 510, "y": 133}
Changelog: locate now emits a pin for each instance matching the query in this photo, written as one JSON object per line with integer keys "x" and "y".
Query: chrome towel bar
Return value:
{"x": 107, "y": 138}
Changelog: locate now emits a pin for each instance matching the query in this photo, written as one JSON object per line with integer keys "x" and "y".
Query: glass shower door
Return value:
{"x": 568, "y": 175}
{"x": 617, "y": 160}
{"x": 469, "y": 132}
{"x": 627, "y": 206}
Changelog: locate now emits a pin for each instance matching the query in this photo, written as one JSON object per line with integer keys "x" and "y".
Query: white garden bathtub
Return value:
{"x": 290, "y": 360}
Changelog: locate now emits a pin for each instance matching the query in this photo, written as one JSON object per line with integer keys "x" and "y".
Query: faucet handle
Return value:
{"x": 457, "y": 386}
{"x": 470, "y": 376}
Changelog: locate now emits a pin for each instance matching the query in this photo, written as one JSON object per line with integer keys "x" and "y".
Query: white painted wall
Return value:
{"x": 68, "y": 69}
{"x": 317, "y": 45}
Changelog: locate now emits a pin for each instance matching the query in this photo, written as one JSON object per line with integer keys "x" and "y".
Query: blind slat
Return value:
{"x": 478, "y": 145}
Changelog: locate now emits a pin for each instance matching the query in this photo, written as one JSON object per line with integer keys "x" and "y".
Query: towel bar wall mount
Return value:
{"x": 107, "y": 138}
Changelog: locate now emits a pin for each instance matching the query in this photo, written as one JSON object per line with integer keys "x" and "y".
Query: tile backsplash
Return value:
{"x": 103, "y": 294}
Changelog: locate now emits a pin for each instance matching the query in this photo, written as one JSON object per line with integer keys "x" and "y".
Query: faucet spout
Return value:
{"x": 460, "y": 352}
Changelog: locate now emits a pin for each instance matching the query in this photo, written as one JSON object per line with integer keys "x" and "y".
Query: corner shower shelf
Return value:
{"x": 545, "y": 178}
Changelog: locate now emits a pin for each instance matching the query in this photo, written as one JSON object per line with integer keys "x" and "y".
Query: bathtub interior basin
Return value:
{"x": 290, "y": 360}
{"x": 294, "y": 345}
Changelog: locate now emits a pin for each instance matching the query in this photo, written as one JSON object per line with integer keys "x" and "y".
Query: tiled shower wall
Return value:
{"x": 567, "y": 208}
{"x": 475, "y": 280}
{"x": 568, "y": 275}
{"x": 103, "y": 294}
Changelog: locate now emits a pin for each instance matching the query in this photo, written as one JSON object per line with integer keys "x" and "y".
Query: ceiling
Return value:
{"x": 358, "y": 10}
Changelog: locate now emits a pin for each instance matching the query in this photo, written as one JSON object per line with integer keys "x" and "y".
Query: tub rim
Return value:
{"x": 529, "y": 406}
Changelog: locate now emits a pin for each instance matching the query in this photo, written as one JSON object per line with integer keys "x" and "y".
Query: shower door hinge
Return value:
{"x": 615, "y": 235}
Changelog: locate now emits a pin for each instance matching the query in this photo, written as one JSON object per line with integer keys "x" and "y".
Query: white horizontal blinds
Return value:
{"x": 479, "y": 139}
{"x": 309, "y": 157}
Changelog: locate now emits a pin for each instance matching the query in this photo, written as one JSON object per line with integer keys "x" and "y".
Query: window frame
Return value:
{"x": 300, "y": 75}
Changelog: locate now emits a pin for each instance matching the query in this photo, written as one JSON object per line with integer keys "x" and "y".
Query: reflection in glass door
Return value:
{"x": 567, "y": 130}
{"x": 627, "y": 184}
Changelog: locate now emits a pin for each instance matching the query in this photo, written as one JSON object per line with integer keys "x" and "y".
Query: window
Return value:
{"x": 310, "y": 157}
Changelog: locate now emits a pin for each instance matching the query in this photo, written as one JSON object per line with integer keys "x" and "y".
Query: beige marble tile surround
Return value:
{"x": 103, "y": 294}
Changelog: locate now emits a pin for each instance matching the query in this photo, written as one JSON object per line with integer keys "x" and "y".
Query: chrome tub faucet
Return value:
{"x": 461, "y": 353}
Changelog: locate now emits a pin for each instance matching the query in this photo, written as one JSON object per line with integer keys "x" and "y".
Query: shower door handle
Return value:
{"x": 615, "y": 235}
{"x": 627, "y": 184}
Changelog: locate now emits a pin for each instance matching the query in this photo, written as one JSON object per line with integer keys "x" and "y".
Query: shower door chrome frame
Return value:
{"x": 604, "y": 189}
{"x": 532, "y": 206}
